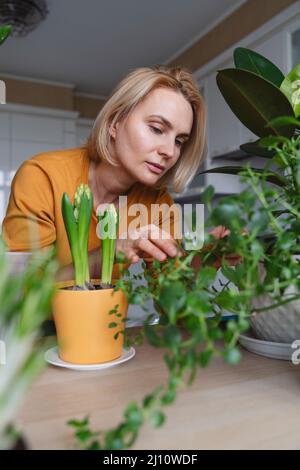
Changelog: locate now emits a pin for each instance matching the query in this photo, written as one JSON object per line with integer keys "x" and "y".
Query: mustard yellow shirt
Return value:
{"x": 34, "y": 208}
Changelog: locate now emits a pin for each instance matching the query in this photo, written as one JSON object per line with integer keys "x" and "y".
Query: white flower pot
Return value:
{"x": 281, "y": 324}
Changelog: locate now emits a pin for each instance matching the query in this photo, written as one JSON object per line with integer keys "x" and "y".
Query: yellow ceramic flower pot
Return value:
{"x": 81, "y": 320}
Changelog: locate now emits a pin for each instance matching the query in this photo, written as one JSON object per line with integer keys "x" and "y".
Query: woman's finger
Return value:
{"x": 163, "y": 240}
{"x": 148, "y": 247}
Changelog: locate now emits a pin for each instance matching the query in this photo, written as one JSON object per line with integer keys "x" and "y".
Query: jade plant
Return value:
{"x": 77, "y": 220}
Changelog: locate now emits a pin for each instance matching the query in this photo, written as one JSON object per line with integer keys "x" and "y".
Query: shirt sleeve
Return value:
{"x": 29, "y": 221}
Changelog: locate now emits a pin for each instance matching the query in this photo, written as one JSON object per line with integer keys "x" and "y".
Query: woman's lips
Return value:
{"x": 154, "y": 168}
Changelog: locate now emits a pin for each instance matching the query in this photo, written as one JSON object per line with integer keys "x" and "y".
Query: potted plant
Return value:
{"x": 89, "y": 314}
{"x": 191, "y": 329}
{"x": 25, "y": 298}
{"x": 263, "y": 229}
{"x": 267, "y": 103}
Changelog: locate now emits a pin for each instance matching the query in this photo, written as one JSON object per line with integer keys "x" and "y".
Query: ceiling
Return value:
{"x": 94, "y": 43}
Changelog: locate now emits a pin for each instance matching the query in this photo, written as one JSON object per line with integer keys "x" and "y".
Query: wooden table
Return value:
{"x": 254, "y": 405}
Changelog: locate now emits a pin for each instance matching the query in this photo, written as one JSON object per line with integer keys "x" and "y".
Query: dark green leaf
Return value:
{"x": 270, "y": 176}
{"x": 253, "y": 62}
{"x": 254, "y": 148}
{"x": 255, "y": 101}
{"x": 148, "y": 401}
{"x": 168, "y": 398}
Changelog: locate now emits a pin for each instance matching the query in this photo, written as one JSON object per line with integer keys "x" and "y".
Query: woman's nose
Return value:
{"x": 168, "y": 148}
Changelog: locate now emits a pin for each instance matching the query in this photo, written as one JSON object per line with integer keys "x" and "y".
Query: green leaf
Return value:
{"x": 253, "y": 62}
{"x": 83, "y": 434}
{"x": 206, "y": 276}
{"x": 291, "y": 88}
{"x": 227, "y": 213}
{"x": 207, "y": 195}
{"x": 152, "y": 336}
{"x": 172, "y": 336}
{"x": 157, "y": 419}
{"x": 282, "y": 121}
{"x": 172, "y": 299}
{"x": 232, "y": 356}
{"x": 259, "y": 221}
{"x": 4, "y": 33}
{"x": 168, "y": 398}
{"x": 205, "y": 357}
{"x": 148, "y": 401}
{"x": 255, "y": 101}
{"x": 134, "y": 415}
{"x": 77, "y": 423}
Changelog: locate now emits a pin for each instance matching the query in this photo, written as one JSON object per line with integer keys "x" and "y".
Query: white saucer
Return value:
{"x": 266, "y": 348}
{"x": 52, "y": 357}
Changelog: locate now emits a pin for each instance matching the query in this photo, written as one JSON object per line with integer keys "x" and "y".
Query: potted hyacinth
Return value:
{"x": 89, "y": 314}
{"x": 268, "y": 104}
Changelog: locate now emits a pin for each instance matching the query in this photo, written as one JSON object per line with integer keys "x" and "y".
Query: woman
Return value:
{"x": 150, "y": 134}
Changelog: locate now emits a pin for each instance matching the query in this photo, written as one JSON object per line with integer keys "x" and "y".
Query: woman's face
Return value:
{"x": 149, "y": 141}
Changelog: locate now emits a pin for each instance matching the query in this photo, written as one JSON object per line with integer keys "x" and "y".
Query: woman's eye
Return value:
{"x": 157, "y": 130}
{"x": 179, "y": 143}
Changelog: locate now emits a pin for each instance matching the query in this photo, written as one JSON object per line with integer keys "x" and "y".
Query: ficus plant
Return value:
{"x": 192, "y": 330}
{"x": 258, "y": 92}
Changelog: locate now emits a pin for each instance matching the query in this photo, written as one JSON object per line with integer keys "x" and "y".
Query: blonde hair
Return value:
{"x": 128, "y": 94}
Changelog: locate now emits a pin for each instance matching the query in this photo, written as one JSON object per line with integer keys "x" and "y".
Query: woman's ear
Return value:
{"x": 113, "y": 130}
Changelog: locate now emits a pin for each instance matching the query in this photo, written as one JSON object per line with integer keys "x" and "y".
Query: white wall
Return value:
{"x": 26, "y": 131}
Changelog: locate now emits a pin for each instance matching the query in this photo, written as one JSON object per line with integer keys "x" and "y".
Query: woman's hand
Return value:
{"x": 218, "y": 233}
{"x": 148, "y": 242}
